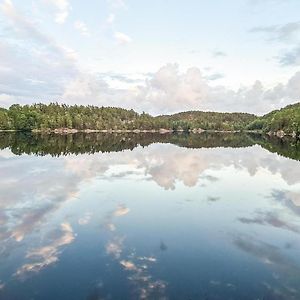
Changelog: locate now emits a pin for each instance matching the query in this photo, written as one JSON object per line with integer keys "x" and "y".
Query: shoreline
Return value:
{"x": 161, "y": 131}
{"x": 65, "y": 131}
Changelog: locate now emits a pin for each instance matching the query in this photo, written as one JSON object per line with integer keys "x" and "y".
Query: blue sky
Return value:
{"x": 158, "y": 56}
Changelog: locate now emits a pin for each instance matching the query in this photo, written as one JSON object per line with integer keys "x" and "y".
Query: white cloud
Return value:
{"x": 117, "y": 3}
{"x": 33, "y": 64}
{"x": 170, "y": 90}
{"x": 122, "y": 38}
{"x": 111, "y": 19}
{"x": 82, "y": 28}
{"x": 6, "y": 100}
{"x": 62, "y": 10}
{"x": 42, "y": 69}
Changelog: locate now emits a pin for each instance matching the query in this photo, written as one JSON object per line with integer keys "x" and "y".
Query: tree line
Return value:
{"x": 54, "y": 116}
{"x": 48, "y": 117}
{"x": 286, "y": 119}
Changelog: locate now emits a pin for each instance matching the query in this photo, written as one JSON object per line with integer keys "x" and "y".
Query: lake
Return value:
{"x": 149, "y": 216}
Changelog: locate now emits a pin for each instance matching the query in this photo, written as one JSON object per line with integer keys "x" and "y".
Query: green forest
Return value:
{"x": 53, "y": 116}
{"x": 286, "y": 119}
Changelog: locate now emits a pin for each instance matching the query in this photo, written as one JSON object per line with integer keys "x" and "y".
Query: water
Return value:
{"x": 180, "y": 217}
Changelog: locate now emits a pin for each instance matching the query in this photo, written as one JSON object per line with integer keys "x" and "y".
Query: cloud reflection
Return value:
{"x": 115, "y": 247}
{"x": 285, "y": 270}
{"x": 144, "y": 286}
{"x": 121, "y": 211}
{"x": 272, "y": 219}
{"x": 45, "y": 256}
{"x": 33, "y": 190}
{"x": 85, "y": 219}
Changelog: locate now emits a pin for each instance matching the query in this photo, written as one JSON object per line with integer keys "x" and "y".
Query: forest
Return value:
{"x": 286, "y": 119}
{"x": 53, "y": 116}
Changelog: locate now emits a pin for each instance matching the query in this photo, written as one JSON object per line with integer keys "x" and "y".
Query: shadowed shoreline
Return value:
{"x": 89, "y": 143}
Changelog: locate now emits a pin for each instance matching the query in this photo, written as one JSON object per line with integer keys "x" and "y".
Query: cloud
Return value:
{"x": 85, "y": 219}
{"x": 290, "y": 58}
{"x": 278, "y": 261}
{"x": 2, "y": 285}
{"x": 36, "y": 198}
{"x": 34, "y": 65}
{"x": 136, "y": 269}
{"x": 93, "y": 89}
{"x": 218, "y": 53}
{"x": 168, "y": 166}
{"x": 44, "y": 69}
{"x": 281, "y": 33}
{"x": 47, "y": 255}
{"x": 258, "y": 2}
{"x": 62, "y": 10}
{"x": 121, "y": 211}
{"x": 22, "y": 26}
{"x": 115, "y": 247}
{"x": 267, "y": 253}
{"x": 170, "y": 90}
{"x": 115, "y": 4}
{"x": 286, "y": 33}
{"x": 128, "y": 265}
{"x": 122, "y": 38}
{"x": 6, "y": 100}
{"x": 272, "y": 219}
{"x": 213, "y": 199}
{"x": 292, "y": 89}
{"x": 82, "y": 28}
{"x": 111, "y": 19}
{"x": 295, "y": 198}
{"x": 289, "y": 199}
{"x": 215, "y": 76}
{"x": 40, "y": 69}
{"x": 31, "y": 191}
{"x": 123, "y": 78}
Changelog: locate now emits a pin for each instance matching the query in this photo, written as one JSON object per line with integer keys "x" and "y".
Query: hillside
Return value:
{"x": 209, "y": 120}
{"x": 283, "y": 121}
{"x": 54, "y": 116}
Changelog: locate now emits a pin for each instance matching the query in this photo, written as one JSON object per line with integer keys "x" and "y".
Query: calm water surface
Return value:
{"x": 183, "y": 218}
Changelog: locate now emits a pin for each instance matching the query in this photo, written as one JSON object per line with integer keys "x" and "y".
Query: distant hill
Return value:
{"x": 285, "y": 120}
{"x": 209, "y": 120}
{"x": 65, "y": 118}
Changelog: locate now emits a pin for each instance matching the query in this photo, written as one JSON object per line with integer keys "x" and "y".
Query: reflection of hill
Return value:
{"x": 287, "y": 147}
{"x": 80, "y": 143}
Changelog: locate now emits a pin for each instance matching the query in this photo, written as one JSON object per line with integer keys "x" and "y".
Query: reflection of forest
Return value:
{"x": 80, "y": 143}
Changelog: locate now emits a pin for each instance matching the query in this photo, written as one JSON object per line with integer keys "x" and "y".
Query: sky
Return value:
{"x": 158, "y": 56}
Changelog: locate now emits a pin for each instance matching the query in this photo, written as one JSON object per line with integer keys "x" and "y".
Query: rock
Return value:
{"x": 280, "y": 133}
{"x": 163, "y": 130}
